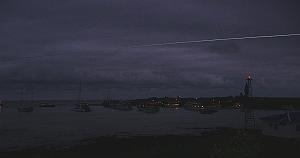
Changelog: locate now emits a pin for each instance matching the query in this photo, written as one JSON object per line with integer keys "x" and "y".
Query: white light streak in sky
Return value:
{"x": 32, "y": 58}
{"x": 219, "y": 39}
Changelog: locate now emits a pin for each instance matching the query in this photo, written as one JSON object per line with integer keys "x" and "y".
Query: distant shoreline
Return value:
{"x": 257, "y": 102}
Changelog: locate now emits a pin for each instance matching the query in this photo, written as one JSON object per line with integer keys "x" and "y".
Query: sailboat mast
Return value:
{"x": 22, "y": 97}
{"x": 80, "y": 92}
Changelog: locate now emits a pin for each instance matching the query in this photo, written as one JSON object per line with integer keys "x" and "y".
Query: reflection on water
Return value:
{"x": 59, "y": 124}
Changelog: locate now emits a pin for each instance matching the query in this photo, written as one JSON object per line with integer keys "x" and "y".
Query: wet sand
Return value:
{"x": 221, "y": 143}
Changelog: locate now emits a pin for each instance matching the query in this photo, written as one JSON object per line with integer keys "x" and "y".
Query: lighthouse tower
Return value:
{"x": 248, "y": 90}
{"x": 249, "y": 114}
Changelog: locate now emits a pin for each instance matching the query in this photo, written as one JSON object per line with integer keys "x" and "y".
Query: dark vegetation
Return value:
{"x": 219, "y": 144}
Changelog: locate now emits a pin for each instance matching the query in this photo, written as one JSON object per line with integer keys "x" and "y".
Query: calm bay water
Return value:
{"x": 62, "y": 126}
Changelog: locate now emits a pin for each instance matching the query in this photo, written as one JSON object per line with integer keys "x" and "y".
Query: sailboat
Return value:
{"x": 22, "y": 107}
{"x": 81, "y": 106}
{"x": 25, "y": 109}
{"x": 1, "y": 105}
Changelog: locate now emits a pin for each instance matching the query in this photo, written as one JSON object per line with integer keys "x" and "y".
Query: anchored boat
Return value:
{"x": 25, "y": 109}
{"x": 81, "y": 106}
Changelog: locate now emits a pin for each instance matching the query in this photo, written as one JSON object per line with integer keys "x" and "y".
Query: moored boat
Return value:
{"x": 148, "y": 108}
{"x": 82, "y": 107}
{"x": 25, "y": 109}
{"x": 46, "y": 105}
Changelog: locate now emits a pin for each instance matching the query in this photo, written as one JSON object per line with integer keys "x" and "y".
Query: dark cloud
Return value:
{"x": 224, "y": 48}
{"x": 53, "y": 44}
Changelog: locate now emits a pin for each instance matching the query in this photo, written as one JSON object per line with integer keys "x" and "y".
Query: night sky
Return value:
{"x": 48, "y": 46}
